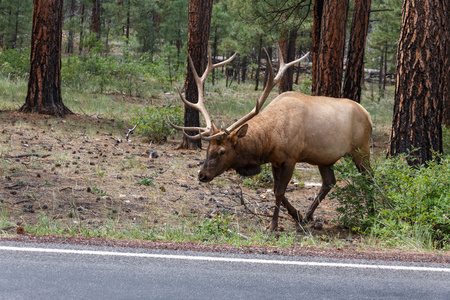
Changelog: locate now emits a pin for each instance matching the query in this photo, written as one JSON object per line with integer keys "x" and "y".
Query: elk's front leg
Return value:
{"x": 328, "y": 180}
{"x": 281, "y": 176}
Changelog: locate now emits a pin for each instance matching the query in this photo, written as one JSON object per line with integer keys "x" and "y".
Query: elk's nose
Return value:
{"x": 202, "y": 177}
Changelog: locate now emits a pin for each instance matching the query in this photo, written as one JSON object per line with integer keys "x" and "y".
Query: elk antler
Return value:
{"x": 206, "y": 133}
{"x": 200, "y": 106}
{"x": 272, "y": 81}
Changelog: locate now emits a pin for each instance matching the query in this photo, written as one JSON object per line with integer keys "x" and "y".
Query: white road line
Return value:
{"x": 223, "y": 259}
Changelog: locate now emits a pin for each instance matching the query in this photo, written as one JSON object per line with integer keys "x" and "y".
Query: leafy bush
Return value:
{"x": 263, "y": 179}
{"x": 446, "y": 139}
{"x": 152, "y": 122}
{"x": 126, "y": 74}
{"x": 15, "y": 63}
{"x": 216, "y": 227}
{"x": 403, "y": 197}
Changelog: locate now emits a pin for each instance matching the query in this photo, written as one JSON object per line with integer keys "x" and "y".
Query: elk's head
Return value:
{"x": 221, "y": 153}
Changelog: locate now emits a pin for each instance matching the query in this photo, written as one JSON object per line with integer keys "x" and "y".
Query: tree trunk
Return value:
{"x": 258, "y": 69}
{"x": 288, "y": 49}
{"x": 71, "y": 33}
{"x": 354, "y": 74}
{"x": 331, "y": 49}
{"x": 447, "y": 67}
{"x": 199, "y": 26}
{"x": 127, "y": 28}
{"x": 16, "y": 28}
{"x": 96, "y": 18}
{"x": 316, "y": 35}
{"x": 214, "y": 54}
{"x": 80, "y": 46}
{"x": 244, "y": 68}
{"x": 44, "y": 84}
{"x": 416, "y": 124}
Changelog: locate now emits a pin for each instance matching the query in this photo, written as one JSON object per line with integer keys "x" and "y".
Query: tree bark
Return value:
{"x": 44, "y": 84}
{"x": 71, "y": 33}
{"x": 198, "y": 36}
{"x": 331, "y": 49}
{"x": 354, "y": 74}
{"x": 416, "y": 124}
{"x": 446, "y": 120}
{"x": 96, "y": 18}
{"x": 258, "y": 69}
{"x": 80, "y": 46}
{"x": 127, "y": 26}
{"x": 316, "y": 35}
{"x": 287, "y": 46}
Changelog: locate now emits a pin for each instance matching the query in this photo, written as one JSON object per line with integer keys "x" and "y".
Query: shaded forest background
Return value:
{"x": 156, "y": 33}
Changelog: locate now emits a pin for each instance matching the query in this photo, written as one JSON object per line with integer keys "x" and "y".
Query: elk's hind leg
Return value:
{"x": 281, "y": 176}
{"x": 328, "y": 180}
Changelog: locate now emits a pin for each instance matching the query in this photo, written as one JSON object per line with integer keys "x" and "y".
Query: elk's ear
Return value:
{"x": 242, "y": 131}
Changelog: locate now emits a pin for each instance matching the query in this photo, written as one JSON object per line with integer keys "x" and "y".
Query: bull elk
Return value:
{"x": 293, "y": 128}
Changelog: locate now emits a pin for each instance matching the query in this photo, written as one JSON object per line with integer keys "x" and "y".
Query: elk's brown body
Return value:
{"x": 293, "y": 128}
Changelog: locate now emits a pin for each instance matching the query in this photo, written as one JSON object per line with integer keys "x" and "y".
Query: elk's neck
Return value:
{"x": 254, "y": 148}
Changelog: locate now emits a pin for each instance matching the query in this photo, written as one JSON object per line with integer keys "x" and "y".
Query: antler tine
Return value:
{"x": 272, "y": 81}
{"x": 200, "y": 81}
{"x": 283, "y": 66}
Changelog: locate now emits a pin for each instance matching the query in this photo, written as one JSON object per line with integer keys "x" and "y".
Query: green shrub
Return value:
{"x": 403, "y": 197}
{"x": 15, "y": 63}
{"x": 265, "y": 178}
{"x": 152, "y": 122}
{"x": 446, "y": 139}
{"x": 216, "y": 227}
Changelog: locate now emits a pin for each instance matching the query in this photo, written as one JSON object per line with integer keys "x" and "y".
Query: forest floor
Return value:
{"x": 82, "y": 172}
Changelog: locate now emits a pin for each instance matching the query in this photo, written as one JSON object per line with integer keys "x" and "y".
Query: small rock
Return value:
{"x": 318, "y": 226}
{"x": 152, "y": 154}
{"x": 28, "y": 208}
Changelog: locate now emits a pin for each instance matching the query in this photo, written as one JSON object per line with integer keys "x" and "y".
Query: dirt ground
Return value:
{"x": 82, "y": 170}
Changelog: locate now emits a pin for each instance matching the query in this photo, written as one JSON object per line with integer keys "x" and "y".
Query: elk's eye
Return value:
{"x": 222, "y": 152}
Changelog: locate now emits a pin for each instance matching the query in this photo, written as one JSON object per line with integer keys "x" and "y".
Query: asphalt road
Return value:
{"x": 39, "y": 271}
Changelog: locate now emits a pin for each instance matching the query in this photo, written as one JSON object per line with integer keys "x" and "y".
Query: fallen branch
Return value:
{"x": 23, "y": 201}
{"x": 28, "y": 155}
{"x": 130, "y": 131}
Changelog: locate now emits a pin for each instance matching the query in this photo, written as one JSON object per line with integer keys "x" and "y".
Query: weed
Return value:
{"x": 216, "y": 227}
{"x": 146, "y": 182}
{"x": 152, "y": 122}
{"x": 99, "y": 191}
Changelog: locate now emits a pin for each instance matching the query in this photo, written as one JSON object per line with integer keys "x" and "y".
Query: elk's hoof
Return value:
{"x": 272, "y": 227}
{"x": 308, "y": 219}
